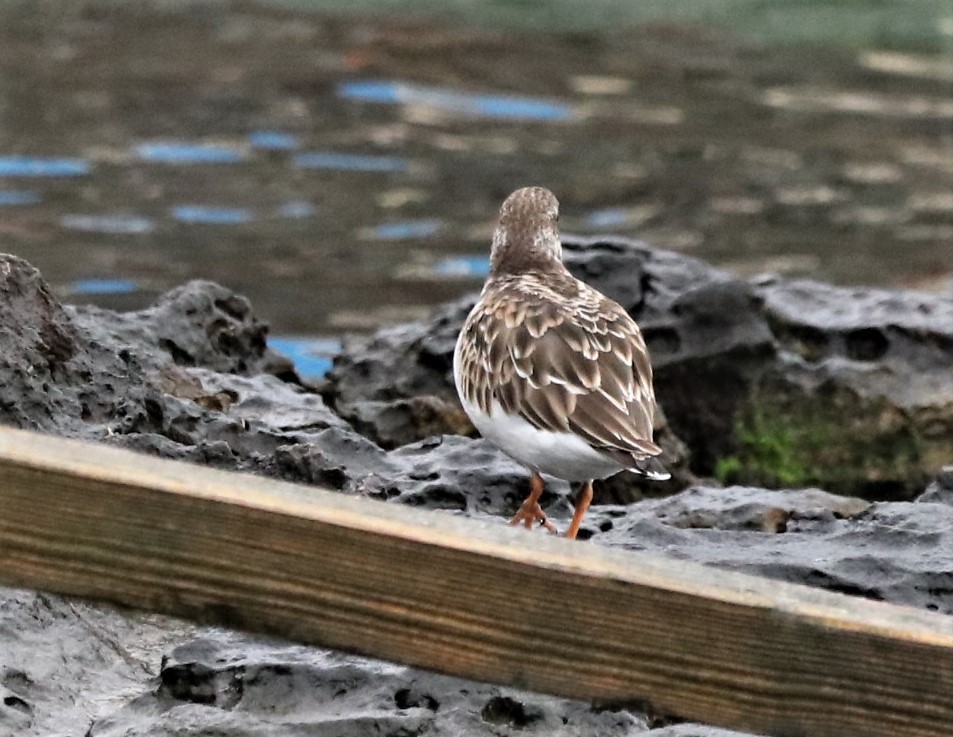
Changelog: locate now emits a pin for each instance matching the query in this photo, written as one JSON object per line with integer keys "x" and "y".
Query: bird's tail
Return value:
{"x": 651, "y": 468}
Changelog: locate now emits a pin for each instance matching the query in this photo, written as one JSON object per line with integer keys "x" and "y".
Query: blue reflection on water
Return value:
{"x": 510, "y": 107}
{"x": 463, "y": 266}
{"x": 350, "y": 162}
{"x": 273, "y": 140}
{"x": 296, "y": 209}
{"x": 31, "y": 166}
{"x": 609, "y": 218}
{"x": 407, "y": 229}
{"x": 103, "y": 286}
{"x": 313, "y": 357}
{"x": 10, "y": 197}
{"x": 113, "y": 224}
{"x": 181, "y": 152}
{"x": 212, "y": 215}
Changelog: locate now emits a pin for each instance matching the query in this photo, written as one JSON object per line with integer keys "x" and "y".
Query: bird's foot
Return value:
{"x": 530, "y": 513}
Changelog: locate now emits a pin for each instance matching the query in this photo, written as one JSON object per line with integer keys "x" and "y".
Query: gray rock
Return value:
{"x": 198, "y": 324}
{"x": 901, "y": 552}
{"x": 65, "y": 663}
{"x": 242, "y": 687}
{"x": 941, "y": 490}
{"x": 377, "y": 373}
{"x": 182, "y": 378}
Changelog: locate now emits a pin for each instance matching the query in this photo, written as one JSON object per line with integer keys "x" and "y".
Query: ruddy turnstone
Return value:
{"x": 550, "y": 370}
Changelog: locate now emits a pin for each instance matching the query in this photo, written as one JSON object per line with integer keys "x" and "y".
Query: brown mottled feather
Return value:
{"x": 575, "y": 362}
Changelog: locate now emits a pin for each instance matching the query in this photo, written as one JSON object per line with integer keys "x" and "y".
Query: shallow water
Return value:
{"x": 344, "y": 172}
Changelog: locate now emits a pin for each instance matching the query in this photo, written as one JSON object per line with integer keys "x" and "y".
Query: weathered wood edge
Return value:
{"x": 813, "y": 609}
{"x": 117, "y": 466}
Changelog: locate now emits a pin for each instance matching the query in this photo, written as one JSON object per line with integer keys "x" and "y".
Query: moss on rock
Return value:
{"x": 832, "y": 438}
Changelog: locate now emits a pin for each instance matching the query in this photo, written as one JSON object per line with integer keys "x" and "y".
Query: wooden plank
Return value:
{"x": 466, "y": 598}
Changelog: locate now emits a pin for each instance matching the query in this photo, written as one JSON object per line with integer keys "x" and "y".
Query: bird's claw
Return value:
{"x": 530, "y": 512}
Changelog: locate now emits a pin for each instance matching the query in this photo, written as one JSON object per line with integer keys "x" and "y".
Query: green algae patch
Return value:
{"x": 831, "y": 438}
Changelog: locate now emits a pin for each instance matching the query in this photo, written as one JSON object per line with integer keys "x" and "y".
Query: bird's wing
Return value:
{"x": 574, "y": 363}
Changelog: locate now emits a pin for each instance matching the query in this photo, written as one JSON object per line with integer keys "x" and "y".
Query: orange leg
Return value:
{"x": 530, "y": 512}
{"x": 582, "y": 504}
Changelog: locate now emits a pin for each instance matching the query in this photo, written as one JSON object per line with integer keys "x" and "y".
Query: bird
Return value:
{"x": 550, "y": 370}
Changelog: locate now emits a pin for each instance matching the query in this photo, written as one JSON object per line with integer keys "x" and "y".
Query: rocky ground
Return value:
{"x": 790, "y": 385}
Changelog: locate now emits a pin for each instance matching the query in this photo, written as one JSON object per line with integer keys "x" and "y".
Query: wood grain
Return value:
{"x": 466, "y": 598}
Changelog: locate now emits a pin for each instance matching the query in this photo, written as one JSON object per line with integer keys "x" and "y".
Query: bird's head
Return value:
{"x": 527, "y": 235}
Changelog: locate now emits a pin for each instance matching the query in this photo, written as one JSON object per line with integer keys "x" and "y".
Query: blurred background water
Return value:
{"x": 341, "y": 163}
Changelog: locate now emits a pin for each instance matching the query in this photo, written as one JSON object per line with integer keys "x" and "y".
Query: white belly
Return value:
{"x": 558, "y": 454}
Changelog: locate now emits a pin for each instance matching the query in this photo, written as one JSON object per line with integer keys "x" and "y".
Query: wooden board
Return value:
{"x": 471, "y": 599}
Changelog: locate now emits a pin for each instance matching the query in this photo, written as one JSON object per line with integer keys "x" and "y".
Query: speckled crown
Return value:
{"x": 527, "y": 236}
